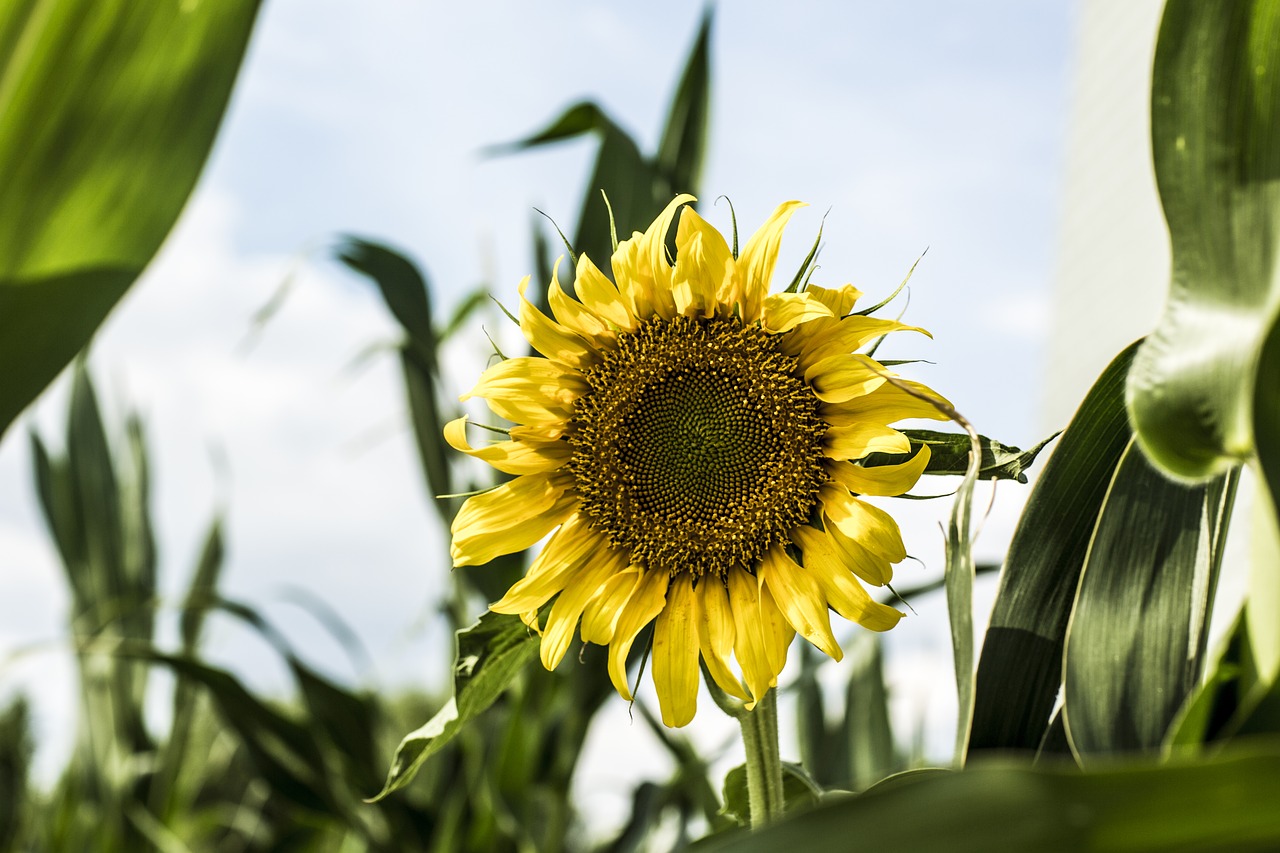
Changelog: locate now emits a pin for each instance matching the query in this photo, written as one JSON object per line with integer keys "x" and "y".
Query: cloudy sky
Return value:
{"x": 918, "y": 124}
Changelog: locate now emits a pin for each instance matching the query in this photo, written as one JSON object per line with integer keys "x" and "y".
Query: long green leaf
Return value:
{"x": 949, "y": 455}
{"x": 683, "y": 146}
{"x": 1224, "y": 804}
{"x": 108, "y": 109}
{"x": 1135, "y": 643}
{"x": 490, "y": 654}
{"x": 1215, "y": 134}
{"x": 1020, "y": 669}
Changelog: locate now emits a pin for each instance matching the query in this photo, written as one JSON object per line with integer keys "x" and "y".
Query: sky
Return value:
{"x": 912, "y": 125}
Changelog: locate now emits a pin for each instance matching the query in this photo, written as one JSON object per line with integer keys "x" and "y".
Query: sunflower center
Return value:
{"x": 697, "y": 447}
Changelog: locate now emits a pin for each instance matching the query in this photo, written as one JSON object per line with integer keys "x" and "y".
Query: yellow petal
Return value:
{"x": 800, "y": 598}
{"x": 843, "y": 377}
{"x": 511, "y": 457}
{"x": 857, "y": 440}
{"x": 759, "y": 257}
{"x": 570, "y": 547}
{"x": 776, "y": 633}
{"x": 495, "y": 522}
{"x": 645, "y": 603}
{"x": 578, "y": 591}
{"x": 761, "y": 633}
{"x": 839, "y": 299}
{"x": 748, "y": 643}
{"x": 549, "y": 337}
{"x": 785, "y": 311}
{"x": 600, "y": 296}
{"x": 869, "y": 526}
{"x": 881, "y": 480}
{"x": 601, "y": 615}
{"x": 871, "y": 568}
{"x": 704, "y": 267}
{"x": 573, "y": 315}
{"x": 529, "y": 389}
{"x": 842, "y": 590}
{"x": 675, "y": 654}
{"x": 714, "y": 618}
{"x": 885, "y": 405}
{"x": 642, "y": 269}
{"x": 849, "y": 334}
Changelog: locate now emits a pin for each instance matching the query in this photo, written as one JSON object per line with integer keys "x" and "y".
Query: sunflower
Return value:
{"x": 692, "y": 444}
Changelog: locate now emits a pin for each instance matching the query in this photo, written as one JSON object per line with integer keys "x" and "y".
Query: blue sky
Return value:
{"x": 918, "y": 124}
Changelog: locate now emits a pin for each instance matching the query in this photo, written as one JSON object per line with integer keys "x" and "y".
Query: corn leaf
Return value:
{"x": 1020, "y": 669}
{"x": 1225, "y": 803}
{"x": 1135, "y": 645}
{"x": 1204, "y": 375}
{"x": 108, "y": 109}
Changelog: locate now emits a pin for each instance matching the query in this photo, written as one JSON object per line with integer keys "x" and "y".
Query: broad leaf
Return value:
{"x": 1021, "y": 664}
{"x": 1135, "y": 646}
{"x": 1223, "y": 804}
{"x": 799, "y": 792}
{"x": 490, "y": 654}
{"x": 108, "y": 109}
{"x": 1199, "y": 383}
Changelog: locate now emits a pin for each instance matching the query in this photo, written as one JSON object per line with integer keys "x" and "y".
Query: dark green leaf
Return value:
{"x": 799, "y": 792}
{"x": 490, "y": 654}
{"x": 108, "y": 110}
{"x": 428, "y": 426}
{"x": 1135, "y": 643}
{"x": 1021, "y": 664}
{"x": 403, "y": 288}
{"x": 1224, "y": 804}
{"x": 1215, "y": 139}
{"x": 949, "y": 455}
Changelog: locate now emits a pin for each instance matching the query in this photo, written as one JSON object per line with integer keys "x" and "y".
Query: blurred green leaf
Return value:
{"x": 799, "y": 792}
{"x": 949, "y": 455}
{"x": 683, "y": 146}
{"x": 867, "y": 729}
{"x": 1135, "y": 643}
{"x": 108, "y": 110}
{"x": 1223, "y": 804}
{"x": 1020, "y": 669}
{"x": 406, "y": 293}
{"x": 1196, "y": 383}
{"x": 490, "y": 654}
{"x": 958, "y": 583}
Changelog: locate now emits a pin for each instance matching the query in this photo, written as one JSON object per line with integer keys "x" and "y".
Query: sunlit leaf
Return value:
{"x": 1135, "y": 645}
{"x": 108, "y": 110}
{"x": 1198, "y": 383}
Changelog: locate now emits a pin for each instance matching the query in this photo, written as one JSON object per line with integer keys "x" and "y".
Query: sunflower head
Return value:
{"x": 692, "y": 444}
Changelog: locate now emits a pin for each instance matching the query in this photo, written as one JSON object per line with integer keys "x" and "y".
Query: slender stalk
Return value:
{"x": 764, "y": 765}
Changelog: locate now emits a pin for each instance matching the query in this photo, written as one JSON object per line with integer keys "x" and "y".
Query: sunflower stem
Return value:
{"x": 764, "y": 764}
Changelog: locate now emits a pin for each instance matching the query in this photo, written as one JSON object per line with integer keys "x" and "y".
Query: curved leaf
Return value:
{"x": 108, "y": 109}
{"x": 1215, "y": 134}
{"x": 1135, "y": 644}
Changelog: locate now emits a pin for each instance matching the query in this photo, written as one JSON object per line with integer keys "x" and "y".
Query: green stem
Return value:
{"x": 764, "y": 765}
